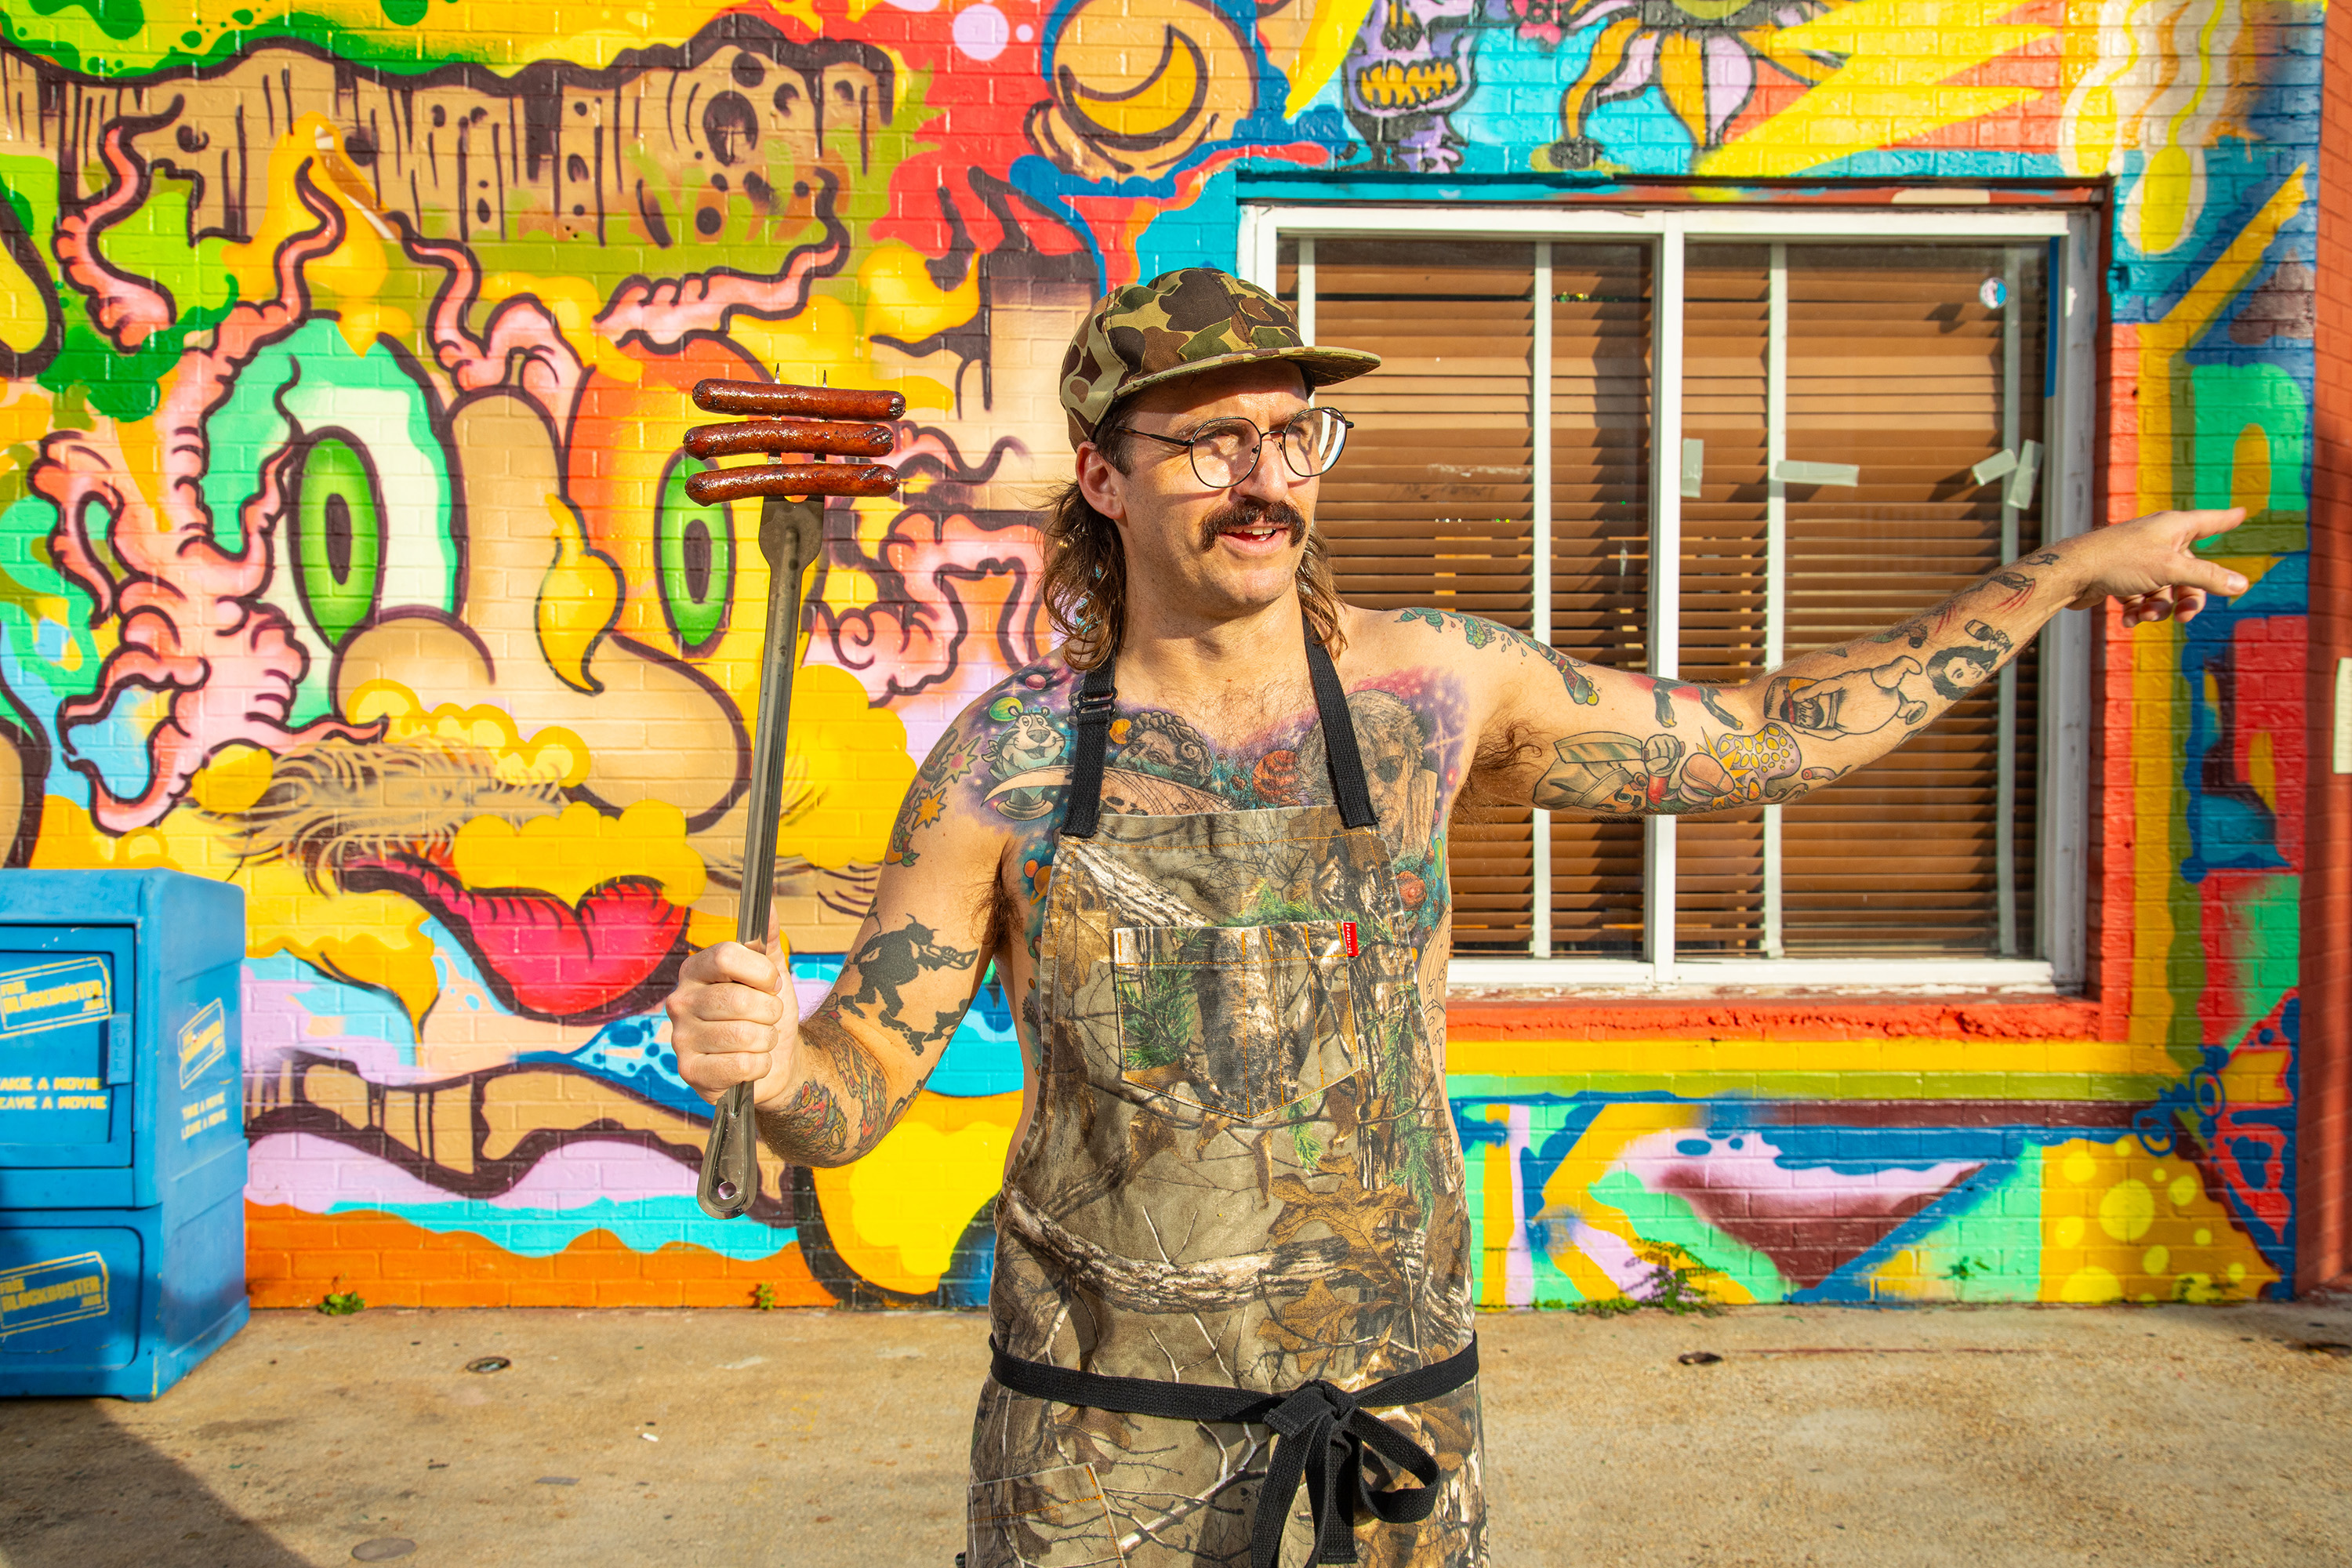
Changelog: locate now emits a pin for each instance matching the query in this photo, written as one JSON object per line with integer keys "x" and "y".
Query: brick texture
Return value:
{"x": 2324, "y": 1112}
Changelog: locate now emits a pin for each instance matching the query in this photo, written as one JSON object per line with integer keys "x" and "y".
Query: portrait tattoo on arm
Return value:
{"x": 1860, "y": 702}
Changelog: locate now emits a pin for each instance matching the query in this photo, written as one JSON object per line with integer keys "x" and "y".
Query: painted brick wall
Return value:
{"x": 2325, "y": 1100}
{"x": 346, "y": 353}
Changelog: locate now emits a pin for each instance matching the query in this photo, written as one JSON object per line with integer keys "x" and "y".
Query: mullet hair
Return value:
{"x": 1085, "y": 581}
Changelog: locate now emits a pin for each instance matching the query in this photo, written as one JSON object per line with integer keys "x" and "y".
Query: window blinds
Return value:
{"x": 1434, "y": 506}
{"x": 1903, "y": 361}
{"x": 1914, "y": 366}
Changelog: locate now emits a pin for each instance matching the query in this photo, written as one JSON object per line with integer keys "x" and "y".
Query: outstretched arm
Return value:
{"x": 1599, "y": 741}
{"x": 831, "y": 1085}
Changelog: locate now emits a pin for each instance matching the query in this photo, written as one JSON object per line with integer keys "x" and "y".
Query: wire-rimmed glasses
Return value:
{"x": 1226, "y": 451}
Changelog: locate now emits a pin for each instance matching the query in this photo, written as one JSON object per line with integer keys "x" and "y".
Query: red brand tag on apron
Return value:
{"x": 1347, "y": 935}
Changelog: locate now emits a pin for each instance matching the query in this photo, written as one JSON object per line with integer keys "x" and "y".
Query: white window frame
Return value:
{"x": 2062, "y": 835}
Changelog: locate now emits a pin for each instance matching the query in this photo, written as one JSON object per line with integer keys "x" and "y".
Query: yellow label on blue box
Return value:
{"x": 54, "y": 996}
{"x": 43, "y": 1294}
{"x": 202, "y": 1040}
{"x": 203, "y": 1115}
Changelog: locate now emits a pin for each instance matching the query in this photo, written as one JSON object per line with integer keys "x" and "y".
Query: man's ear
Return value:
{"x": 1103, "y": 485}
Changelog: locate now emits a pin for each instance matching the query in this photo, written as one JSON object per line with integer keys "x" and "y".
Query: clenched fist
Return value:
{"x": 733, "y": 1019}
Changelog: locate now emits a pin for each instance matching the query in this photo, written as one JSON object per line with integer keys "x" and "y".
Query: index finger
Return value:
{"x": 730, "y": 962}
{"x": 2199, "y": 526}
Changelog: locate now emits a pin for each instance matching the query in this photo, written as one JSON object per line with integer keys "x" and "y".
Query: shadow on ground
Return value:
{"x": 81, "y": 1491}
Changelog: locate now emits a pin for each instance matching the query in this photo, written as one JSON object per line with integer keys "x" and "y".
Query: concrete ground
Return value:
{"x": 1821, "y": 1435}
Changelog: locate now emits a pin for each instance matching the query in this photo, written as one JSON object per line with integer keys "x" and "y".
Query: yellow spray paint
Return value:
{"x": 2250, "y": 470}
{"x": 550, "y": 755}
{"x": 902, "y": 303}
{"x": 580, "y": 848}
{"x": 2119, "y": 1224}
{"x": 1329, "y": 38}
{"x": 24, "y": 314}
{"x": 826, "y": 343}
{"x": 27, "y": 413}
{"x": 353, "y": 274}
{"x": 847, "y": 768}
{"x": 895, "y": 1215}
{"x": 578, "y": 600}
{"x": 1900, "y": 56}
{"x": 1912, "y": 1067}
{"x": 500, "y": 33}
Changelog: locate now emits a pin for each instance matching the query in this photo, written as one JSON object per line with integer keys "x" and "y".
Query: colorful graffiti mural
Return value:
{"x": 345, "y": 552}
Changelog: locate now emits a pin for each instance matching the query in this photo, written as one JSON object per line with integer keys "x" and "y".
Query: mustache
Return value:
{"x": 1249, "y": 512}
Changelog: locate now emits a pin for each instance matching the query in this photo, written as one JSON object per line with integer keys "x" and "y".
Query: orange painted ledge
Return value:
{"x": 1811, "y": 1018}
{"x": 293, "y": 1259}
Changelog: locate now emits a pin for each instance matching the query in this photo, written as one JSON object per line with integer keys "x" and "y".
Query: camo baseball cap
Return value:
{"x": 1181, "y": 323}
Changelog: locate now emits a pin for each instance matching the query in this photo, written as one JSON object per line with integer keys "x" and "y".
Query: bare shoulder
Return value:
{"x": 994, "y": 766}
{"x": 1486, "y": 655}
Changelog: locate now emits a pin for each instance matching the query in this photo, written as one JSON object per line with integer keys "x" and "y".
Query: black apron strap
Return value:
{"x": 1347, "y": 763}
{"x": 1321, "y": 1435}
{"x": 1090, "y": 718}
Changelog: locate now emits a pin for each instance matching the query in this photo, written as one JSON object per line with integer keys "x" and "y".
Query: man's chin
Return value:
{"x": 1253, "y": 585}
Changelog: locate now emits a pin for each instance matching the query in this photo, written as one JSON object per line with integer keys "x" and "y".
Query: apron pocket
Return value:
{"x": 1240, "y": 1021}
{"x": 1054, "y": 1518}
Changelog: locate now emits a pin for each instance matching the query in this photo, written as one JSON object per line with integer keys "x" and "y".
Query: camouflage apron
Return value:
{"x": 1237, "y": 1198}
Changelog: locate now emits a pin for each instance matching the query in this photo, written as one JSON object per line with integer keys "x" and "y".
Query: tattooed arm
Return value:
{"x": 831, "y": 1085}
{"x": 1578, "y": 737}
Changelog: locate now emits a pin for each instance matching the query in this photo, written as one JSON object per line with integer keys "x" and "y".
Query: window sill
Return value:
{"x": 1506, "y": 979}
{"x": 1503, "y": 999}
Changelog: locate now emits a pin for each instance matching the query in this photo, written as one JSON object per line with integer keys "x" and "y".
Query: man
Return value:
{"x": 1203, "y": 843}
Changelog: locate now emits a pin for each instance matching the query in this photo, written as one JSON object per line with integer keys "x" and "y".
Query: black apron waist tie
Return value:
{"x": 1320, "y": 1434}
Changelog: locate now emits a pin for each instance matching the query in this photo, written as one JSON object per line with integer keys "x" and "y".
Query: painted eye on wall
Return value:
{"x": 338, "y": 536}
{"x": 694, "y": 552}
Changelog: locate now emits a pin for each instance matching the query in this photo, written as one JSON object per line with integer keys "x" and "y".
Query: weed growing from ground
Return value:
{"x": 1677, "y": 1284}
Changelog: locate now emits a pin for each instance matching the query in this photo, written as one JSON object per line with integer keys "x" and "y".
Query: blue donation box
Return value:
{"x": 121, "y": 1129}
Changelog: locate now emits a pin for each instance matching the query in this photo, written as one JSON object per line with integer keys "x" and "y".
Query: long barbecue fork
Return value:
{"x": 801, "y": 421}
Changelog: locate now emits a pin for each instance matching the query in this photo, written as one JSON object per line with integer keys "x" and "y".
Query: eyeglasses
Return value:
{"x": 1226, "y": 451}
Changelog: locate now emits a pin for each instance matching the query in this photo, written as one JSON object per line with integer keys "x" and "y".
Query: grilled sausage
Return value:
{"x": 791, "y": 480}
{"x": 808, "y": 402}
{"x": 789, "y": 435}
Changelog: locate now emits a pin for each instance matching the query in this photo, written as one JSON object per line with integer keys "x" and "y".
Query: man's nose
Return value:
{"x": 1272, "y": 479}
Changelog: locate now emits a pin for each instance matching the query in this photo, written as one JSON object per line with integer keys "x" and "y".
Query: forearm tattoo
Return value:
{"x": 809, "y": 1123}
{"x": 813, "y": 1127}
{"x": 842, "y": 1107}
{"x": 1816, "y": 703}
